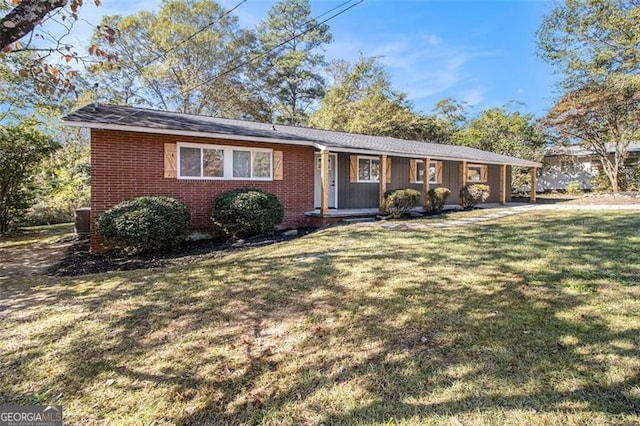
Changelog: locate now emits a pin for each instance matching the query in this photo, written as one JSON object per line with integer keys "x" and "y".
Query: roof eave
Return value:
{"x": 316, "y": 144}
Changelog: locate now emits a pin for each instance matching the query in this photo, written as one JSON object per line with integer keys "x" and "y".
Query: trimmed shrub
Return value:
{"x": 470, "y": 195}
{"x": 400, "y": 201}
{"x": 144, "y": 223}
{"x": 574, "y": 188}
{"x": 436, "y": 198}
{"x": 246, "y": 212}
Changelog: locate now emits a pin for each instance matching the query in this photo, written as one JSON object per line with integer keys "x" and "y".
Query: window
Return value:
{"x": 476, "y": 173}
{"x": 368, "y": 169}
{"x": 433, "y": 175}
{"x": 218, "y": 162}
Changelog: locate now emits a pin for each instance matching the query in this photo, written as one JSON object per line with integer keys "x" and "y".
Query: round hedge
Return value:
{"x": 246, "y": 212}
{"x": 144, "y": 223}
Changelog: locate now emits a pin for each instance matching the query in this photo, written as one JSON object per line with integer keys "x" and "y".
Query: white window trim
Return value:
{"x": 435, "y": 176}
{"x": 483, "y": 171}
{"x": 367, "y": 157}
{"x": 228, "y": 161}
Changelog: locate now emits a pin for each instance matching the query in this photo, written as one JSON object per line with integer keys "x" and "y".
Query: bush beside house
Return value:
{"x": 246, "y": 212}
{"x": 471, "y": 195}
{"x": 436, "y": 199}
{"x": 144, "y": 224}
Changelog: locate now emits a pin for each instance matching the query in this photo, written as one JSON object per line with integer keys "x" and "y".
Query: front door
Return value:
{"x": 333, "y": 177}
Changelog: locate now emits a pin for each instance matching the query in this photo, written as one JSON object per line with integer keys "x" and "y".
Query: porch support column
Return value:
{"x": 383, "y": 182}
{"x": 324, "y": 182}
{"x": 463, "y": 176}
{"x": 425, "y": 183}
{"x": 503, "y": 184}
{"x": 534, "y": 184}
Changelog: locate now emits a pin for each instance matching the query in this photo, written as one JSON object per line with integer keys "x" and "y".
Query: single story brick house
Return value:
{"x": 316, "y": 174}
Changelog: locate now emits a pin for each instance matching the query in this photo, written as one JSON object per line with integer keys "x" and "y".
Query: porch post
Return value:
{"x": 324, "y": 182}
{"x": 503, "y": 184}
{"x": 383, "y": 182}
{"x": 464, "y": 174}
{"x": 425, "y": 183}
{"x": 533, "y": 184}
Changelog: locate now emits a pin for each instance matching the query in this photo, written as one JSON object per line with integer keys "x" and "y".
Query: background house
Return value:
{"x": 562, "y": 165}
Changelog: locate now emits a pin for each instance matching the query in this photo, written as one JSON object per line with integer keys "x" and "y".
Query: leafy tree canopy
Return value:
{"x": 167, "y": 61}
{"x": 22, "y": 149}
{"x": 590, "y": 39}
{"x": 291, "y": 76}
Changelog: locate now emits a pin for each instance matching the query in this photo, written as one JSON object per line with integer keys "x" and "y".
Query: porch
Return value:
{"x": 317, "y": 218}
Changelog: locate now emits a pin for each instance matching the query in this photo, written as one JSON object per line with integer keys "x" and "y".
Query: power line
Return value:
{"x": 261, "y": 55}
{"x": 279, "y": 45}
{"x": 193, "y": 35}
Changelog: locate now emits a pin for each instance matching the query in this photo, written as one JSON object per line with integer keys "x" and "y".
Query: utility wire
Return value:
{"x": 254, "y": 58}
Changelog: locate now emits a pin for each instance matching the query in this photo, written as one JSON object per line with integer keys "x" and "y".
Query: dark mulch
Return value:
{"x": 78, "y": 261}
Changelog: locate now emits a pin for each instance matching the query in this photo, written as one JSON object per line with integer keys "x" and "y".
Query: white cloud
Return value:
{"x": 473, "y": 96}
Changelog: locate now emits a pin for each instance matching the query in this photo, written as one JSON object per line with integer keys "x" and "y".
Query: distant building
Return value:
{"x": 577, "y": 162}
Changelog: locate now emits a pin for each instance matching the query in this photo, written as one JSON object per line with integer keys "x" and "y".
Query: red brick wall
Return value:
{"x": 126, "y": 165}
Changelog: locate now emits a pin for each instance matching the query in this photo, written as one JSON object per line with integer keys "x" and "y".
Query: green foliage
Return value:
{"x": 630, "y": 178}
{"x": 361, "y": 100}
{"x": 292, "y": 77}
{"x": 157, "y": 68}
{"x": 246, "y": 212}
{"x": 63, "y": 182}
{"x": 591, "y": 40}
{"x": 600, "y": 182}
{"x": 503, "y": 132}
{"x": 399, "y": 202}
{"x": 22, "y": 150}
{"x": 471, "y": 195}
{"x": 574, "y": 188}
{"x": 144, "y": 224}
{"x": 437, "y": 197}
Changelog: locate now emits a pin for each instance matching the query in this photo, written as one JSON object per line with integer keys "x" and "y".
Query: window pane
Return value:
{"x": 261, "y": 164}
{"x": 419, "y": 172}
{"x": 242, "y": 164}
{"x": 432, "y": 173}
{"x": 375, "y": 170}
{"x": 474, "y": 174}
{"x": 213, "y": 162}
{"x": 189, "y": 161}
{"x": 364, "y": 169}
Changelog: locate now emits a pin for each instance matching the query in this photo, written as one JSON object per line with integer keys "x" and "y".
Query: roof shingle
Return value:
{"x": 122, "y": 117}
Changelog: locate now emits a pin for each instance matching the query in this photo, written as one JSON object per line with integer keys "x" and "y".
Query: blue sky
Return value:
{"x": 480, "y": 52}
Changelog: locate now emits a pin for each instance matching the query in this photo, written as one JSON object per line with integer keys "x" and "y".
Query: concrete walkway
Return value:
{"x": 499, "y": 212}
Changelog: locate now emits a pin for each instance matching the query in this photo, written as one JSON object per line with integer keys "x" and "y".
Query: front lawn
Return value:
{"x": 530, "y": 319}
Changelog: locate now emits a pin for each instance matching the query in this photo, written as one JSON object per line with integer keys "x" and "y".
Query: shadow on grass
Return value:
{"x": 418, "y": 324}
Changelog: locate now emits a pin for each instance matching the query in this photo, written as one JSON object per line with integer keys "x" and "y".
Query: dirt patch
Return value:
{"x": 76, "y": 259}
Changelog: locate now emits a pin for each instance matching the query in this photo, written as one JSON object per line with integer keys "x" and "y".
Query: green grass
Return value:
{"x": 531, "y": 319}
{"x": 37, "y": 235}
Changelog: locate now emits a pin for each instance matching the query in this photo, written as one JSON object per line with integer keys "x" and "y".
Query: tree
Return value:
{"x": 63, "y": 183}
{"x": 181, "y": 58}
{"x": 22, "y": 149}
{"x": 448, "y": 117}
{"x": 509, "y": 133}
{"x": 361, "y": 100}
{"x": 37, "y": 31}
{"x": 603, "y": 116}
{"x": 590, "y": 39}
{"x": 291, "y": 77}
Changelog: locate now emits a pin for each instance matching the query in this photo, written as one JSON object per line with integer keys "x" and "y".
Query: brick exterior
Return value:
{"x": 126, "y": 165}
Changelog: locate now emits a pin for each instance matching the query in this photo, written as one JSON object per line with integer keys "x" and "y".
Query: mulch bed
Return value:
{"x": 78, "y": 261}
